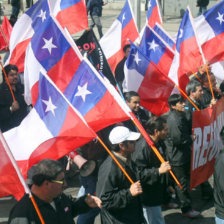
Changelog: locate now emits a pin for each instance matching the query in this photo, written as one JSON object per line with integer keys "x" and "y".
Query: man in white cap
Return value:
{"x": 120, "y": 201}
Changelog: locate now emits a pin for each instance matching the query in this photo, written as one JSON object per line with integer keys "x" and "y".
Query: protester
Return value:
{"x": 11, "y": 112}
{"x": 152, "y": 171}
{"x": 133, "y": 101}
{"x": 55, "y": 207}
{"x": 178, "y": 144}
{"x": 15, "y": 7}
{"x": 207, "y": 98}
{"x": 219, "y": 184}
{"x": 119, "y": 71}
{"x": 120, "y": 201}
{"x": 94, "y": 7}
{"x": 202, "y": 4}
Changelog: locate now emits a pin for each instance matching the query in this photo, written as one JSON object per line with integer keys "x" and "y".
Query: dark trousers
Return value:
{"x": 183, "y": 175}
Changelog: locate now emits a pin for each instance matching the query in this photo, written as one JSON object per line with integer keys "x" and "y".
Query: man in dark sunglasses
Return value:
{"x": 47, "y": 186}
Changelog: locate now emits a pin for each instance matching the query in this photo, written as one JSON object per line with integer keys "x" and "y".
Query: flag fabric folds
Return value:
{"x": 188, "y": 54}
{"x": 5, "y": 33}
{"x": 52, "y": 50}
{"x": 144, "y": 77}
{"x": 153, "y": 13}
{"x": 51, "y": 130}
{"x": 156, "y": 50}
{"x": 210, "y": 30}
{"x": 30, "y": 22}
{"x": 11, "y": 184}
{"x": 121, "y": 31}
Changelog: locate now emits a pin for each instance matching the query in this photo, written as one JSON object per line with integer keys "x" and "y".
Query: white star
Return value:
{"x": 181, "y": 33}
{"x": 137, "y": 59}
{"x": 48, "y": 44}
{"x": 50, "y": 106}
{"x": 153, "y": 45}
{"x": 42, "y": 15}
{"x": 149, "y": 5}
{"x": 123, "y": 17}
{"x": 83, "y": 91}
{"x": 220, "y": 18}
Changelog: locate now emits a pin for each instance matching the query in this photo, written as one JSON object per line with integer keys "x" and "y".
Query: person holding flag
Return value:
{"x": 48, "y": 181}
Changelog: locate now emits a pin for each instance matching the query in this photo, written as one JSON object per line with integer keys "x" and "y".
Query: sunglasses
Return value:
{"x": 58, "y": 181}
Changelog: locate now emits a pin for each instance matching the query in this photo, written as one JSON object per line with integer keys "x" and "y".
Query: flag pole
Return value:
{"x": 7, "y": 81}
{"x": 15, "y": 165}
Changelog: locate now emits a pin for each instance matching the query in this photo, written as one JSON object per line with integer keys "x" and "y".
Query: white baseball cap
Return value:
{"x": 120, "y": 134}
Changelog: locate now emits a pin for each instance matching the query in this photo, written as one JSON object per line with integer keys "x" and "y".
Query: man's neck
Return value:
{"x": 154, "y": 138}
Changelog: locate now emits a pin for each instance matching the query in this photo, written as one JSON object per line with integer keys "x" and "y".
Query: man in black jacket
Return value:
{"x": 11, "y": 112}
{"x": 202, "y": 4}
{"x": 120, "y": 201}
{"x": 178, "y": 144}
{"x": 152, "y": 171}
{"x": 219, "y": 184}
{"x": 48, "y": 181}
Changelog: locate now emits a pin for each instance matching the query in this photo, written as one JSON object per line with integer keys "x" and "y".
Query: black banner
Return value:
{"x": 88, "y": 44}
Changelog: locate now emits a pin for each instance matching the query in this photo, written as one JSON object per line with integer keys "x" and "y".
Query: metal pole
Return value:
{"x": 137, "y": 12}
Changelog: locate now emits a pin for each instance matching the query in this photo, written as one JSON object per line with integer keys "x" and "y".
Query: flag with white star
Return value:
{"x": 143, "y": 76}
{"x": 156, "y": 50}
{"x": 34, "y": 18}
{"x": 51, "y": 50}
{"x": 121, "y": 31}
{"x": 51, "y": 130}
{"x": 153, "y": 13}
{"x": 210, "y": 30}
{"x": 188, "y": 54}
{"x": 165, "y": 36}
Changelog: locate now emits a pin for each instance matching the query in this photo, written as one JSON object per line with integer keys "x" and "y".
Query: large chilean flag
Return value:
{"x": 121, "y": 31}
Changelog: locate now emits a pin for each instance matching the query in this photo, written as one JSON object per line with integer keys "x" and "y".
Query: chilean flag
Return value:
{"x": 83, "y": 86}
{"x": 153, "y": 13}
{"x": 52, "y": 129}
{"x": 34, "y": 18}
{"x": 165, "y": 36}
{"x": 210, "y": 30}
{"x": 188, "y": 55}
{"x": 144, "y": 77}
{"x": 156, "y": 50}
{"x": 122, "y": 30}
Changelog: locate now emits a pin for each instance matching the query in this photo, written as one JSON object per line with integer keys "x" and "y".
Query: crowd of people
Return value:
{"x": 119, "y": 200}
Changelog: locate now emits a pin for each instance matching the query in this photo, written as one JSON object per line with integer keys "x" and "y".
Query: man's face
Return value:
{"x": 127, "y": 52}
{"x": 213, "y": 82}
{"x": 12, "y": 77}
{"x": 179, "y": 106}
{"x": 130, "y": 147}
{"x": 163, "y": 132}
{"x": 198, "y": 93}
{"x": 56, "y": 188}
{"x": 134, "y": 104}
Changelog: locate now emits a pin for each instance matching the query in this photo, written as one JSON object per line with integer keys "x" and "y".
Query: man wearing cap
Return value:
{"x": 120, "y": 201}
{"x": 152, "y": 171}
{"x": 55, "y": 207}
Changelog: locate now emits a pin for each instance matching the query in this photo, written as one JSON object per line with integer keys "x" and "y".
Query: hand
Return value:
{"x": 136, "y": 189}
{"x": 193, "y": 137}
{"x": 93, "y": 201}
{"x": 15, "y": 106}
{"x": 164, "y": 168}
{"x": 213, "y": 102}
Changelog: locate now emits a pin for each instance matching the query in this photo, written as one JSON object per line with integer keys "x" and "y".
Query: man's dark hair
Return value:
{"x": 126, "y": 47}
{"x": 174, "y": 99}
{"x": 155, "y": 123}
{"x": 46, "y": 169}
{"x": 129, "y": 95}
{"x": 192, "y": 86}
{"x": 8, "y": 68}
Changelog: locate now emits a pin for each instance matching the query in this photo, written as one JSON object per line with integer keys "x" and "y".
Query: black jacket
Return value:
{"x": 94, "y": 7}
{"x": 67, "y": 208}
{"x": 189, "y": 109}
{"x": 202, "y": 3}
{"x": 10, "y": 119}
{"x": 179, "y": 139}
{"x": 118, "y": 205}
{"x": 219, "y": 186}
{"x": 147, "y": 164}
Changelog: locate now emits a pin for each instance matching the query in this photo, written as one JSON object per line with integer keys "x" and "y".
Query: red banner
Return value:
{"x": 207, "y": 125}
